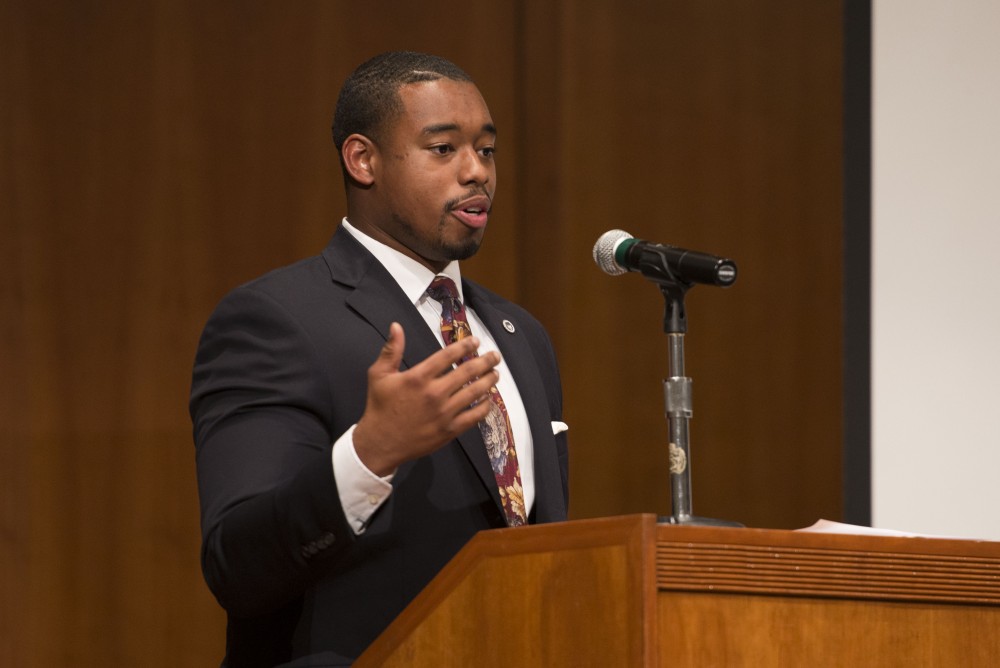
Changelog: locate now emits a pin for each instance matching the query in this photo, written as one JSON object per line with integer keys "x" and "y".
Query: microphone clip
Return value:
{"x": 674, "y": 313}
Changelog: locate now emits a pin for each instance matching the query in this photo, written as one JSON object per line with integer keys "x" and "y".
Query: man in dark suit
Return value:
{"x": 340, "y": 441}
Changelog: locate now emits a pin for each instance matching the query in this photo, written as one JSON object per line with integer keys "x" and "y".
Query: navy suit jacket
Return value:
{"x": 280, "y": 373}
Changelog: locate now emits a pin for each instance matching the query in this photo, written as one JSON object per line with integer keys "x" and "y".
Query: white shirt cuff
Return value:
{"x": 361, "y": 491}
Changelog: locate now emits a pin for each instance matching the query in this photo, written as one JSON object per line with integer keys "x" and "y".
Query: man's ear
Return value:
{"x": 358, "y": 153}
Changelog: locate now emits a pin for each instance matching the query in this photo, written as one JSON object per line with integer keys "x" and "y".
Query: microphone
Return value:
{"x": 617, "y": 252}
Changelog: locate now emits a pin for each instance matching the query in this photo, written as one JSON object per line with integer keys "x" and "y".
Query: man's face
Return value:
{"x": 434, "y": 173}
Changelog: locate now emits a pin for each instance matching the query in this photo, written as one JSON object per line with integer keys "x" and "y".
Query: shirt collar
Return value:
{"x": 413, "y": 277}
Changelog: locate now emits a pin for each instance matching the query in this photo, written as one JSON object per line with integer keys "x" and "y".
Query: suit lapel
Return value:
{"x": 376, "y": 297}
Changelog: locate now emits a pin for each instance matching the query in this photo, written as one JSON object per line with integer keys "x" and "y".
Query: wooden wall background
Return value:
{"x": 154, "y": 155}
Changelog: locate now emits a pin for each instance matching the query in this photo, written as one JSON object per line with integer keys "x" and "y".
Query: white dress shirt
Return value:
{"x": 361, "y": 491}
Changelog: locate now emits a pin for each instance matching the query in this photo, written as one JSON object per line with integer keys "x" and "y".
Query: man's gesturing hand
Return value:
{"x": 412, "y": 413}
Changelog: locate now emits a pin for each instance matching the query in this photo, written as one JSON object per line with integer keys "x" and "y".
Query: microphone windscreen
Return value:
{"x": 604, "y": 252}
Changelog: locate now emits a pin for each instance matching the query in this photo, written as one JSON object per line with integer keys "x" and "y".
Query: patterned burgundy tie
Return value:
{"x": 495, "y": 427}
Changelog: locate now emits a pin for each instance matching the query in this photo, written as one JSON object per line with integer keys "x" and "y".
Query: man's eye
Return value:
{"x": 441, "y": 149}
{"x": 488, "y": 151}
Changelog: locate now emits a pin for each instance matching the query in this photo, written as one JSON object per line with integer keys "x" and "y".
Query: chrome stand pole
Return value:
{"x": 678, "y": 403}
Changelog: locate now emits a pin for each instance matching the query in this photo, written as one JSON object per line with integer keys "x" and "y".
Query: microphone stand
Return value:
{"x": 677, "y": 398}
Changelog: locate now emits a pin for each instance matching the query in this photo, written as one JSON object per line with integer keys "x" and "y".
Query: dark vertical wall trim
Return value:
{"x": 857, "y": 260}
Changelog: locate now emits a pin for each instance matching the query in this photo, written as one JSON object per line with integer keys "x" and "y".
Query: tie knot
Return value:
{"x": 442, "y": 288}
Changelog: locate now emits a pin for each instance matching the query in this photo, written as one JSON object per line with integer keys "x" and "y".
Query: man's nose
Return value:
{"x": 474, "y": 168}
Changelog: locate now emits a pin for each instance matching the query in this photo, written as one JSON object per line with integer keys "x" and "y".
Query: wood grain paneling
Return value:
{"x": 155, "y": 155}
{"x": 713, "y": 126}
{"x": 602, "y": 568}
{"x": 770, "y": 632}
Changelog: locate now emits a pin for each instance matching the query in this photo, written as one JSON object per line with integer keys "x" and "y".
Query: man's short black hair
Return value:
{"x": 370, "y": 96}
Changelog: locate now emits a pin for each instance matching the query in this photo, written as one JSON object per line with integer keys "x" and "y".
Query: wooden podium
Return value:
{"x": 626, "y": 591}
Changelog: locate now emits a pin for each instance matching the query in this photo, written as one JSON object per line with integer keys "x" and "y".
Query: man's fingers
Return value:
{"x": 475, "y": 392}
{"x": 469, "y": 371}
{"x": 411, "y": 413}
{"x": 444, "y": 359}
{"x": 472, "y": 403}
{"x": 470, "y": 417}
{"x": 391, "y": 355}
{"x": 464, "y": 402}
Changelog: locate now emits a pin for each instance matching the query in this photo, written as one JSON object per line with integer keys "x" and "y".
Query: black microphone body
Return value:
{"x": 617, "y": 251}
{"x": 662, "y": 262}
